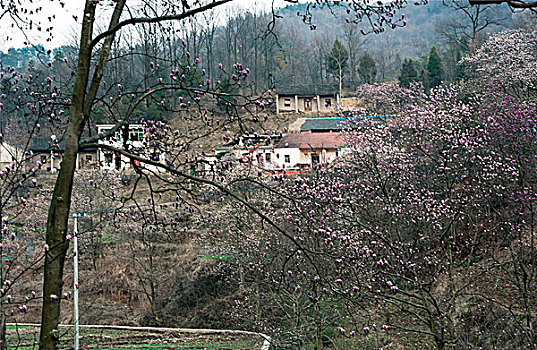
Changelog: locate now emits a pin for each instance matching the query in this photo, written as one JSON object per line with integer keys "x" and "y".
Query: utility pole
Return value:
{"x": 75, "y": 279}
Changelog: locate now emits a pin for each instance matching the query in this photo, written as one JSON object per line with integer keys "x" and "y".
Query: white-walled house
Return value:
{"x": 110, "y": 160}
{"x": 303, "y": 150}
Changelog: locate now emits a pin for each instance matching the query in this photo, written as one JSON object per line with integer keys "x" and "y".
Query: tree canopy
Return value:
{"x": 367, "y": 68}
{"x": 409, "y": 73}
{"x": 435, "y": 72}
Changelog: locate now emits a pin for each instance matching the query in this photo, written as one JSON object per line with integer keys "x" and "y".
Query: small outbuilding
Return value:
{"x": 307, "y": 99}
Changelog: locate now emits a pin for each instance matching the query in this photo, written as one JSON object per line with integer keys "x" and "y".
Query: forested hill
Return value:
{"x": 291, "y": 52}
{"x": 434, "y": 24}
{"x": 425, "y": 25}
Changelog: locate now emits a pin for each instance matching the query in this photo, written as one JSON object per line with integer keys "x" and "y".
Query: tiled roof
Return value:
{"x": 45, "y": 143}
{"x": 324, "y": 140}
{"x": 332, "y": 123}
{"x": 307, "y": 90}
{"x": 42, "y": 144}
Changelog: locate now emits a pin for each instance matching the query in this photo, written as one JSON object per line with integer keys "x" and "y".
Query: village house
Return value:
{"x": 311, "y": 141}
{"x": 136, "y": 136}
{"x": 294, "y": 151}
{"x": 304, "y": 150}
{"x": 110, "y": 160}
{"x": 307, "y": 99}
{"x": 49, "y": 152}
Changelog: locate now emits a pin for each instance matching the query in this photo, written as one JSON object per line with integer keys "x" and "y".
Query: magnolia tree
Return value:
{"x": 423, "y": 234}
{"x": 388, "y": 98}
{"x": 21, "y": 242}
{"x": 505, "y": 62}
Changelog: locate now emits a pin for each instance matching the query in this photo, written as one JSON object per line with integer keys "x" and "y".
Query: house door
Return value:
{"x": 307, "y": 105}
{"x": 314, "y": 158}
{"x": 118, "y": 161}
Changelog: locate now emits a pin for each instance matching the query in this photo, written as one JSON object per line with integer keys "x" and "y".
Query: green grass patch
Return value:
{"x": 11, "y": 327}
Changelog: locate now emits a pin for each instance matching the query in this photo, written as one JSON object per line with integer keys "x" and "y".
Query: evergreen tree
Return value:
{"x": 337, "y": 61}
{"x": 367, "y": 68}
{"x": 435, "y": 72}
{"x": 409, "y": 73}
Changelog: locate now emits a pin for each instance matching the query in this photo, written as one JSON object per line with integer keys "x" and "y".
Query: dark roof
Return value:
{"x": 332, "y": 123}
{"x": 325, "y": 140}
{"x": 44, "y": 144}
{"x": 307, "y": 90}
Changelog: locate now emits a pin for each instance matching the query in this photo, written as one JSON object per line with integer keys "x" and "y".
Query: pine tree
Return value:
{"x": 409, "y": 73}
{"x": 435, "y": 72}
{"x": 367, "y": 68}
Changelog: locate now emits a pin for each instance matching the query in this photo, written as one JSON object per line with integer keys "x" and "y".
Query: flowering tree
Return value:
{"x": 444, "y": 216}
{"x": 20, "y": 243}
{"x": 425, "y": 230}
{"x": 506, "y": 61}
{"x": 388, "y": 98}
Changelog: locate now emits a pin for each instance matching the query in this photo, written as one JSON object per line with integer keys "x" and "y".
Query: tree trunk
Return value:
{"x": 58, "y": 215}
{"x": 340, "y": 81}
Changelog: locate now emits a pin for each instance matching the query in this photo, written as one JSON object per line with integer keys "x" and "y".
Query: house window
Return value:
{"x": 267, "y": 157}
{"x": 328, "y": 102}
{"x": 287, "y": 158}
{"x": 89, "y": 157}
{"x": 43, "y": 159}
{"x": 287, "y": 102}
{"x": 136, "y": 135}
{"x": 108, "y": 158}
